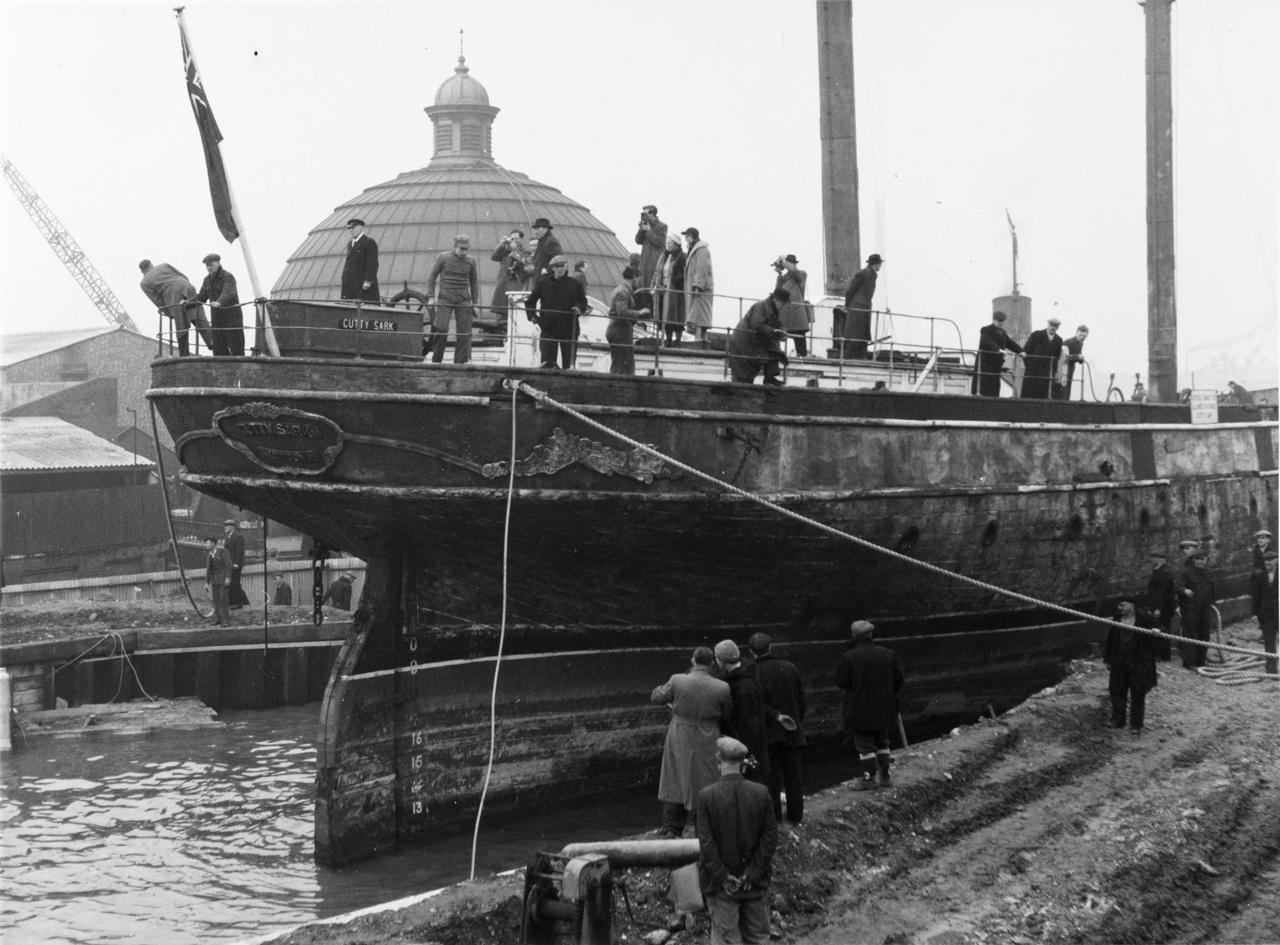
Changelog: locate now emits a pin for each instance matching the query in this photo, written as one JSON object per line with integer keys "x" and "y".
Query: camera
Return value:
{"x": 777, "y": 263}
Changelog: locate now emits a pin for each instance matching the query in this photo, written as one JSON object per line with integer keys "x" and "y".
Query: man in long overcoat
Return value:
{"x": 737, "y": 837}
{"x": 747, "y": 724}
{"x": 1196, "y": 594}
{"x": 234, "y": 542}
{"x": 871, "y": 679}
{"x": 755, "y": 344}
{"x": 700, "y": 705}
{"x": 1161, "y": 600}
{"x": 784, "y": 708}
{"x": 993, "y": 341}
{"x": 1131, "y": 657}
{"x": 651, "y": 237}
{"x": 853, "y": 336}
{"x": 699, "y": 284}
{"x": 1041, "y": 353}
{"x": 225, "y": 314}
{"x": 360, "y": 268}
{"x": 547, "y": 249}
{"x": 169, "y": 290}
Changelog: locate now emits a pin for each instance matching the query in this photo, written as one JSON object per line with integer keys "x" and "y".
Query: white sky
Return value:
{"x": 709, "y": 110}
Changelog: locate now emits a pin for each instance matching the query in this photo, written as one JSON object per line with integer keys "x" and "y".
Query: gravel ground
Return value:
{"x": 1042, "y": 826}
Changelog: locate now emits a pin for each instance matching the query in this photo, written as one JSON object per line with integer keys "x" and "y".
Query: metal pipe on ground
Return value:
{"x": 628, "y": 853}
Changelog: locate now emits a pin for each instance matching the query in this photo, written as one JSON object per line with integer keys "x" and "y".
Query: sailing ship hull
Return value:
{"x": 478, "y": 509}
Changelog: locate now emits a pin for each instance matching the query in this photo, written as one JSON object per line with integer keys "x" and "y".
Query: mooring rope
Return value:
{"x": 168, "y": 514}
{"x": 543, "y": 398}
{"x": 502, "y": 636}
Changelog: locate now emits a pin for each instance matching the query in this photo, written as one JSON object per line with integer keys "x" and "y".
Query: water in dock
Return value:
{"x": 206, "y": 836}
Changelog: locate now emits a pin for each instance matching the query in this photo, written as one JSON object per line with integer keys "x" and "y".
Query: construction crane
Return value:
{"x": 67, "y": 249}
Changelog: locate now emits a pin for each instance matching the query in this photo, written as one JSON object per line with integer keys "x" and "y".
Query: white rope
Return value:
{"x": 502, "y": 636}
{"x": 543, "y": 398}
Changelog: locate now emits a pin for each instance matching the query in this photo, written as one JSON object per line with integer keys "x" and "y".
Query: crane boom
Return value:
{"x": 66, "y": 248}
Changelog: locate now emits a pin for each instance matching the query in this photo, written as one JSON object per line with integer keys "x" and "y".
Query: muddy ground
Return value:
{"x": 1042, "y": 826}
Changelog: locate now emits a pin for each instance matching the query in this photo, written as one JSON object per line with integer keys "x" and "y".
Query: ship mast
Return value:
{"x": 1162, "y": 316}
{"x": 839, "y": 144}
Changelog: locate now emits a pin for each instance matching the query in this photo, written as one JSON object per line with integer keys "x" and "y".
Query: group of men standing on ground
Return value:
{"x": 176, "y": 298}
{"x": 1050, "y": 360}
{"x": 733, "y": 752}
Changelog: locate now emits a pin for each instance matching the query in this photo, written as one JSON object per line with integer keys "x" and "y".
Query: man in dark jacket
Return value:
{"x": 1196, "y": 594}
{"x": 755, "y": 345}
{"x": 737, "y": 836}
{"x": 219, "y": 290}
{"x": 234, "y": 542}
{"x": 339, "y": 592}
{"x": 282, "y": 595}
{"x": 217, "y": 579}
{"x": 784, "y": 708}
{"x": 360, "y": 268}
{"x": 1041, "y": 353}
{"x": 562, "y": 301}
{"x": 747, "y": 722}
{"x": 871, "y": 679}
{"x": 1263, "y": 591}
{"x": 1131, "y": 655}
{"x": 547, "y": 250}
{"x": 854, "y": 334}
{"x": 1161, "y": 601}
{"x": 1261, "y": 545}
{"x": 622, "y": 319}
{"x": 993, "y": 341}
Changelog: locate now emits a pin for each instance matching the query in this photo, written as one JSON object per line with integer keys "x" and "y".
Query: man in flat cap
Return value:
{"x": 1261, "y": 545}
{"x": 871, "y": 679}
{"x": 1195, "y": 591}
{"x": 1130, "y": 656}
{"x": 554, "y": 306}
{"x": 747, "y": 723}
{"x": 360, "y": 268}
{"x": 737, "y": 837}
{"x": 339, "y": 592}
{"x": 1041, "y": 352}
{"x": 219, "y": 290}
{"x": 700, "y": 706}
{"x": 852, "y": 334}
{"x": 454, "y": 286}
{"x": 234, "y": 542}
{"x": 1071, "y": 355}
{"x": 1161, "y": 599}
{"x": 170, "y": 291}
{"x": 548, "y": 248}
{"x": 988, "y": 366}
{"x": 1263, "y": 592}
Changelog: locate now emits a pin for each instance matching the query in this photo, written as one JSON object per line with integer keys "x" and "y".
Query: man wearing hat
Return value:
{"x": 651, "y": 237}
{"x": 747, "y": 723}
{"x": 782, "y": 689}
{"x": 1161, "y": 599}
{"x": 699, "y": 284}
{"x": 217, "y": 579}
{"x": 1070, "y": 356}
{"x": 852, "y": 334}
{"x": 700, "y": 706}
{"x": 219, "y": 290}
{"x": 1264, "y": 594}
{"x": 797, "y": 314}
{"x": 453, "y": 286}
{"x": 548, "y": 248}
{"x": 1188, "y": 547}
{"x": 871, "y": 679}
{"x": 1261, "y": 545}
{"x": 1194, "y": 588}
{"x": 562, "y": 300}
{"x": 339, "y": 592}
{"x": 234, "y": 541}
{"x": 993, "y": 341}
{"x": 1041, "y": 351}
{"x": 170, "y": 291}
{"x": 360, "y": 268}
{"x": 1131, "y": 657}
{"x": 755, "y": 344}
{"x": 737, "y": 836}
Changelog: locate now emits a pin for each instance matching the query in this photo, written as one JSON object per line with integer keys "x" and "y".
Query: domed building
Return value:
{"x": 415, "y": 216}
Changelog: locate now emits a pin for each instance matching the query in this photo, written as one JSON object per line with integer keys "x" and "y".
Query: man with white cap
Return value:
{"x": 700, "y": 707}
{"x": 871, "y": 678}
{"x": 1041, "y": 353}
{"x": 554, "y": 306}
{"x": 1261, "y": 545}
{"x": 737, "y": 836}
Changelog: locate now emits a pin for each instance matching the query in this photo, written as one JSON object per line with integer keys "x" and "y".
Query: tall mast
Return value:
{"x": 839, "y": 144}
{"x": 1162, "y": 315}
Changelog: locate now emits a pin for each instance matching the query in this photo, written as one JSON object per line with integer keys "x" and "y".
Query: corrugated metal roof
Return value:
{"x": 15, "y": 348}
{"x": 36, "y": 443}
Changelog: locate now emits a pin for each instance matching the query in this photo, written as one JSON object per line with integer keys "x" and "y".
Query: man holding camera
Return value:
{"x": 755, "y": 345}
{"x": 651, "y": 237}
{"x": 511, "y": 258}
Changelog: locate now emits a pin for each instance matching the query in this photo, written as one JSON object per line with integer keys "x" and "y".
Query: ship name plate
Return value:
{"x": 369, "y": 324}
{"x": 281, "y": 439}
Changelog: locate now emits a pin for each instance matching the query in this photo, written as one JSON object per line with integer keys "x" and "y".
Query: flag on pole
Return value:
{"x": 210, "y": 137}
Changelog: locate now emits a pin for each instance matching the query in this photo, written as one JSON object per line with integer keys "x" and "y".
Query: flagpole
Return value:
{"x": 267, "y": 329}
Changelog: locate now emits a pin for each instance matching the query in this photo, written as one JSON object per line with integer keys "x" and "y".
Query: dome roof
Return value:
{"x": 460, "y": 88}
{"x": 415, "y": 216}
